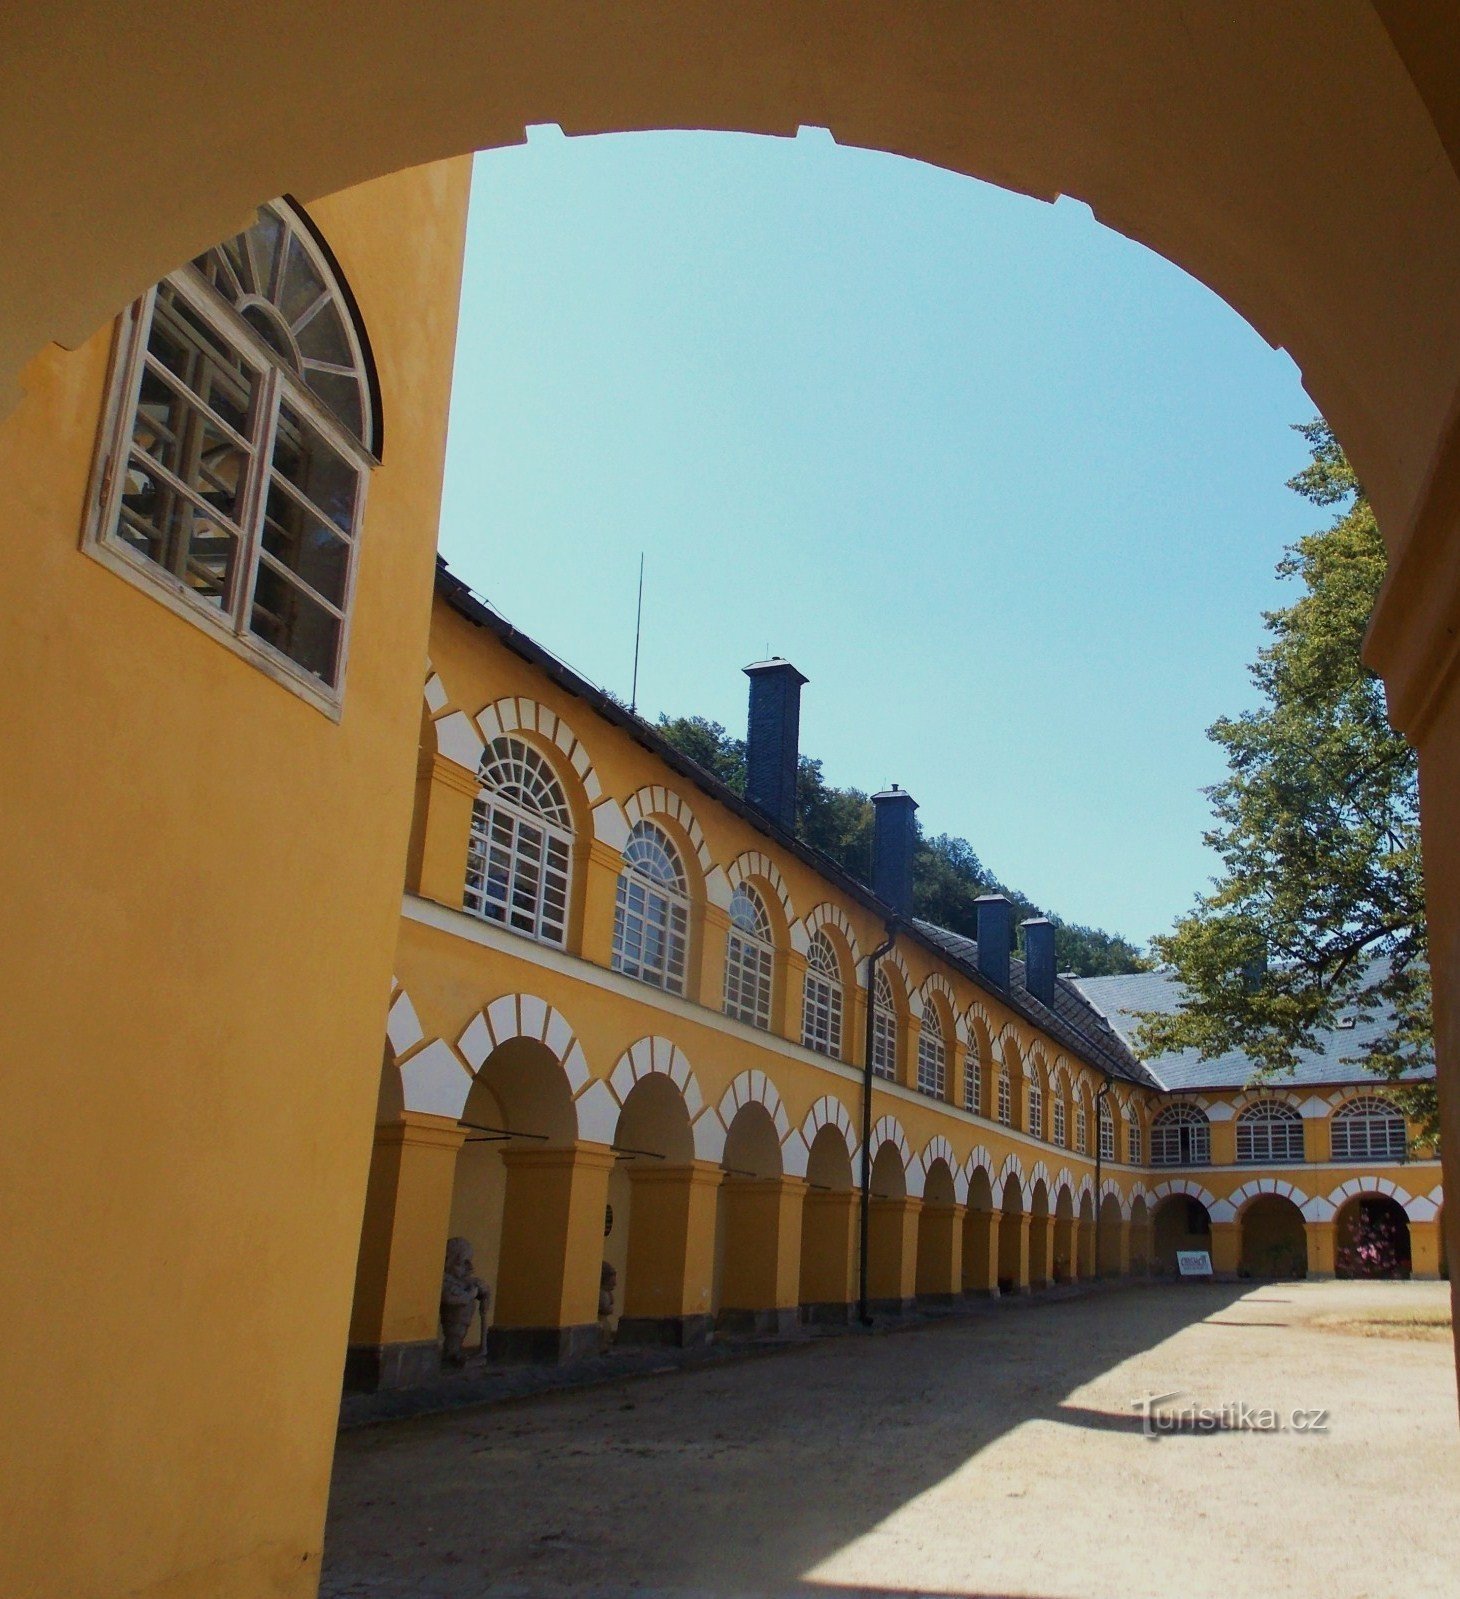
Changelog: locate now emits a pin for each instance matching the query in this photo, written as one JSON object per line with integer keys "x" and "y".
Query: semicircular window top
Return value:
{"x": 749, "y": 959}
{"x": 821, "y": 1005}
{"x": 1058, "y": 1118}
{"x": 1269, "y": 1132}
{"x": 1369, "y": 1129}
{"x": 242, "y": 427}
{"x": 1106, "y": 1132}
{"x": 1036, "y": 1105}
{"x": 932, "y": 1055}
{"x": 1181, "y": 1136}
{"x": 884, "y": 1028}
{"x": 520, "y": 853}
{"x": 651, "y": 911}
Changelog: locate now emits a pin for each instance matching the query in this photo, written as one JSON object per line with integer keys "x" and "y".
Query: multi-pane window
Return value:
{"x": 1036, "y": 1106}
{"x": 749, "y": 959}
{"x": 651, "y": 911}
{"x": 884, "y": 1028}
{"x": 973, "y": 1082}
{"x": 821, "y": 1003}
{"x": 1133, "y": 1139}
{"x": 1107, "y": 1132}
{"x": 1181, "y": 1136}
{"x": 1006, "y": 1098}
{"x": 1082, "y": 1130}
{"x": 932, "y": 1055}
{"x": 519, "y": 857}
{"x": 1269, "y": 1132}
{"x": 235, "y": 472}
{"x": 1368, "y": 1129}
{"x": 1058, "y": 1117}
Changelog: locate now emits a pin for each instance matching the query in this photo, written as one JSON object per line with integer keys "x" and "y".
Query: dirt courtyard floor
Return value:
{"x": 996, "y": 1454}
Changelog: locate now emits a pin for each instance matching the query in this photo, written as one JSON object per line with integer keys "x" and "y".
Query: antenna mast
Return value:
{"x": 638, "y": 630}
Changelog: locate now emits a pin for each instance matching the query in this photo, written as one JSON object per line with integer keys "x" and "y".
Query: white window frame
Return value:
{"x": 272, "y": 388}
{"x": 932, "y": 1056}
{"x": 655, "y": 907}
{"x": 1058, "y": 1117}
{"x": 1369, "y": 1130}
{"x": 1269, "y": 1133}
{"x": 1107, "y": 1132}
{"x": 1036, "y": 1108}
{"x": 973, "y": 1082}
{"x": 749, "y": 960}
{"x": 1181, "y": 1136}
{"x": 1082, "y": 1131}
{"x": 536, "y": 880}
{"x": 884, "y": 1029}
{"x": 1006, "y": 1098}
{"x": 821, "y": 999}
{"x": 1133, "y": 1140}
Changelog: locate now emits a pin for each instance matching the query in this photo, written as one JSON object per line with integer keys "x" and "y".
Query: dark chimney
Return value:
{"x": 892, "y": 848}
{"x": 995, "y": 922}
{"x": 772, "y": 735}
{"x": 1039, "y": 958}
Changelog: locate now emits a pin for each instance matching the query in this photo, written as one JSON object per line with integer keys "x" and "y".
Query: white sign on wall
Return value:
{"x": 1193, "y": 1263}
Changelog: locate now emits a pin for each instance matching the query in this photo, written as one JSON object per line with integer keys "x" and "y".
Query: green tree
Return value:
{"x": 1319, "y": 907}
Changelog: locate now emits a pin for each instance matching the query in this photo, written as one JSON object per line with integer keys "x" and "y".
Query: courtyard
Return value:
{"x": 1306, "y": 1445}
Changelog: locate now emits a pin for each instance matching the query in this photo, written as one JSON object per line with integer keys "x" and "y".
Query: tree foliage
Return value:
{"x": 1319, "y": 907}
{"x": 947, "y": 875}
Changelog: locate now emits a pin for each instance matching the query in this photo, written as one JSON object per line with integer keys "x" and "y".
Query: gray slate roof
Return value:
{"x": 1121, "y": 997}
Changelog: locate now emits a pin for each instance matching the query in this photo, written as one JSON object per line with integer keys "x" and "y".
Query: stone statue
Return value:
{"x": 607, "y": 1283}
{"x": 461, "y": 1293}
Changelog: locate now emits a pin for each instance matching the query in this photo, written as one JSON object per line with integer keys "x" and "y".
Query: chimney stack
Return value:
{"x": 1039, "y": 958}
{"x": 772, "y": 735}
{"x": 892, "y": 848}
{"x": 995, "y": 922}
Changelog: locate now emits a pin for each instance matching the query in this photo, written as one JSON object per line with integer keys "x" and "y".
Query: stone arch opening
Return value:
{"x": 1013, "y": 1239}
{"x": 747, "y": 1223}
{"x": 1274, "y": 1242}
{"x": 1140, "y": 1235}
{"x": 1066, "y": 1252}
{"x": 980, "y": 1239}
{"x": 1108, "y": 1244}
{"x": 940, "y": 1237}
{"x": 1371, "y": 1238}
{"x": 892, "y": 1244}
{"x": 1041, "y": 1237}
{"x": 829, "y": 1229}
{"x": 1181, "y": 1222}
{"x": 1085, "y": 1234}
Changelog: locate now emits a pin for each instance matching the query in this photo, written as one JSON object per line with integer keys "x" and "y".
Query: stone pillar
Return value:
{"x": 671, "y": 1262}
{"x": 447, "y": 832}
{"x": 940, "y": 1253}
{"x": 1085, "y": 1248}
{"x": 1041, "y": 1252}
{"x": 892, "y": 1254}
{"x": 760, "y": 1280}
{"x": 981, "y": 1253}
{"x": 396, "y": 1319}
{"x": 1424, "y": 1250}
{"x": 1014, "y": 1256}
{"x": 1226, "y": 1248}
{"x": 552, "y": 1252}
{"x": 1319, "y": 1236}
{"x": 1066, "y": 1252}
{"x": 829, "y": 1241}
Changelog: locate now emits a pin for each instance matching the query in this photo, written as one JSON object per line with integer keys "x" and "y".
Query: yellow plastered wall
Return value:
{"x": 207, "y": 870}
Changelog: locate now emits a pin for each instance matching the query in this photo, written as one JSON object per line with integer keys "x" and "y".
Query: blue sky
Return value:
{"x": 1007, "y": 487}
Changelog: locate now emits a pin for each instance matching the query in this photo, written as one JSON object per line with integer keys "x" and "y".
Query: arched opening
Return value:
{"x": 1066, "y": 1255}
{"x": 747, "y": 1223}
{"x": 1274, "y": 1240}
{"x": 1140, "y": 1232}
{"x": 1041, "y": 1236}
{"x": 1085, "y": 1235}
{"x": 1181, "y": 1222}
{"x": 1013, "y": 1239}
{"x": 1371, "y": 1238}
{"x": 891, "y": 1234}
{"x": 940, "y": 1238}
{"x": 980, "y": 1241}
{"x": 1108, "y": 1248}
{"x": 828, "y": 1230}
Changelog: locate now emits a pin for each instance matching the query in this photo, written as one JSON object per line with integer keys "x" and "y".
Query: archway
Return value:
{"x": 891, "y": 1233}
{"x": 980, "y": 1236}
{"x": 1371, "y": 1238}
{"x": 1066, "y": 1255}
{"x": 828, "y": 1229}
{"x": 1274, "y": 1242}
{"x": 1013, "y": 1239}
{"x": 1108, "y": 1247}
{"x": 1140, "y": 1236}
{"x": 1181, "y": 1222}
{"x": 748, "y": 1227}
{"x": 940, "y": 1237}
{"x": 1041, "y": 1237}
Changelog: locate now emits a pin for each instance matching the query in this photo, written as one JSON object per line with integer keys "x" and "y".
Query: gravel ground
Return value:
{"x": 998, "y": 1455}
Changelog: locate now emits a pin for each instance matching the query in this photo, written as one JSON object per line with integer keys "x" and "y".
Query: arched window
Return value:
{"x": 519, "y": 857}
{"x": 651, "y": 911}
{"x": 973, "y": 1080}
{"x": 1058, "y": 1117}
{"x": 749, "y": 959}
{"x": 1107, "y": 1132}
{"x": 1082, "y": 1130}
{"x": 1181, "y": 1136}
{"x": 242, "y": 429}
{"x": 821, "y": 1003}
{"x": 1269, "y": 1131}
{"x": 932, "y": 1055}
{"x": 1006, "y": 1098}
{"x": 884, "y": 1028}
{"x": 1036, "y": 1105}
{"x": 1368, "y": 1129}
{"x": 1133, "y": 1139}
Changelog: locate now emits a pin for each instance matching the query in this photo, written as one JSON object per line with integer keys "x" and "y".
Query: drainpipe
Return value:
{"x": 1099, "y": 1103}
{"x": 864, "y": 1315}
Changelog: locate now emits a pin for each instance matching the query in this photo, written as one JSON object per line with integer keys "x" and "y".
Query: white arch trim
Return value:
{"x": 1038, "y": 1173}
{"x": 751, "y": 863}
{"x": 938, "y": 1148}
{"x": 888, "y": 1130}
{"x": 978, "y": 1160}
{"x": 1423, "y": 1208}
{"x": 936, "y": 983}
{"x": 827, "y": 914}
{"x": 645, "y": 1058}
{"x": 1258, "y": 1186}
{"x": 828, "y": 1111}
{"x": 1012, "y": 1167}
{"x": 1192, "y": 1190}
{"x": 755, "y": 1088}
{"x": 644, "y": 804}
{"x": 512, "y": 1016}
{"x": 434, "y": 1082}
{"x": 520, "y": 714}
